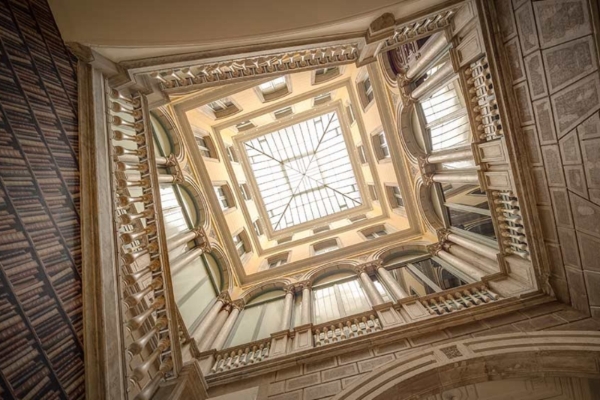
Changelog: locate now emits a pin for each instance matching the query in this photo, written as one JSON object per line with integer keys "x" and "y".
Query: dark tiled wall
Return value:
{"x": 551, "y": 49}
{"x": 41, "y": 354}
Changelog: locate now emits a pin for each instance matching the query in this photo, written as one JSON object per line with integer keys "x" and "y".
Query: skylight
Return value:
{"x": 303, "y": 172}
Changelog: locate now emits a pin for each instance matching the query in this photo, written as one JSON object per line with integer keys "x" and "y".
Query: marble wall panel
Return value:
{"x": 595, "y": 195}
{"x": 526, "y": 28}
{"x": 562, "y": 209}
{"x": 576, "y": 103}
{"x": 576, "y": 180}
{"x": 557, "y": 267}
{"x": 586, "y": 215}
{"x": 545, "y": 121}
{"x": 518, "y": 3}
{"x": 569, "y": 62}
{"x": 590, "y": 128}
{"x": 589, "y": 249}
{"x": 554, "y": 169}
{"x": 541, "y": 186}
{"x": 515, "y": 58}
{"x": 591, "y": 161}
{"x": 548, "y": 225}
{"x": 577, "y": 289}
{"x": 506, "y": 19}
{"x": 533, "y": 146}
{"x": 535, "y": 75}
{"x": 559, "y": 21}
{"x": 524, "y": 103}
{"x": 569, "y": 149}
{"x": 569, "y": 248}
{"x": 592, "y": 282}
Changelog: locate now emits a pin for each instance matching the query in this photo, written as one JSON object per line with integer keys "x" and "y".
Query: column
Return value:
{"x": 209, "y": 319}
{"x": 392, "y": 284}
{"x": 369, "y": 287}
{"x": 287, "y": 308}
{"x": 456, "y": 177}
{"x": 306, "y": 305}
{"x": 456, "y": 154}
{"x": 462, "y": 265}
{"x": 429, "y": 52}
{"x": 224, "y": 332}
{"x": 482, "y": 262}
{"x": 185, "y": 259}
{"x": 165, "y": 178}
{"x": 184, "y": 237}
{"x": 207, "y": 341}
{"x": 476, "y": 247}
{"x": 443, "y": 74}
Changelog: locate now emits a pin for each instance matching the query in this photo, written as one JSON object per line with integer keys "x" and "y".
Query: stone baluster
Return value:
{"x": 392, "y": 284}
{"x": 224, "y": 332}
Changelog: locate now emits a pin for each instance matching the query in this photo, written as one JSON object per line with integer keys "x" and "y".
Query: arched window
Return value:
{"x": 196, "y": 287}
{"x": 162, "y": 140}
{"x": 468, "y": 209}
{"x": 338, "y": 295}
{"x": 261, "y": 317}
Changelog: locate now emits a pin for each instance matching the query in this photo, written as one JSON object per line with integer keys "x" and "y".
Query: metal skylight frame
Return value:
{"x": 296, "y": 186}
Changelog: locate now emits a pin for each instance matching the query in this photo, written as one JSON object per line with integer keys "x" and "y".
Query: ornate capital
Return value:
{"x": 171, "y": 160}
{"x": 224, "y": 297}
{"x": 434, "y": 249}
{"x": 289, "y": 289}
{"x": 428, "y": 179}
{"x": 202, "y": 240}
{"x": 304, "y": 285}
{"x": 443, "y": 234}
{"x": 238, "y": 304}
{"x": 368, "y": 267}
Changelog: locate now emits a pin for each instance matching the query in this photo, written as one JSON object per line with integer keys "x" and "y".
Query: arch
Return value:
{"x": 412, "y": 145}
{"x": 395, "y": 250}
{"x": 428, "y": 371}
{"x": 166, "y": 122}
{"x": 329, "y": 268}
{"x": 275, "y": 284}
{"x": 426, "y": 206}
{"x": 200, "y": 203}
{"x": 387, "y": 70}
{"x": 219, "y": 255}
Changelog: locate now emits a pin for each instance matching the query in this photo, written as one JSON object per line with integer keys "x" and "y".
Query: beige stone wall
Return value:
{"x": 553, "y": 57}
{"x": 328, "y": 376}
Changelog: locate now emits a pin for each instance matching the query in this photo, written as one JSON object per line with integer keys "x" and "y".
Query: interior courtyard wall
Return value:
{"x": 551, "y": 51}
{"x": 324, "y": 377}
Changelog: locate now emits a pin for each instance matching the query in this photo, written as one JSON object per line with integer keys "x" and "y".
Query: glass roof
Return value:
{"x": 303, "y": 172}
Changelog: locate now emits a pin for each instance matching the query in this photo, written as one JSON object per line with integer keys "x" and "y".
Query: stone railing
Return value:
{"x": 346, "y": 328}
{"x": 242, "y": 355}
{"x": 512, "y": 231}
{"x": 483, "y": 99}
{"x": 151, "y": 336}
{"x": 453, "y": 300}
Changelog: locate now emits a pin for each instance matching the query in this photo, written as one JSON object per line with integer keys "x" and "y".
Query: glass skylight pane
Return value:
{"x": 303, "y": 172}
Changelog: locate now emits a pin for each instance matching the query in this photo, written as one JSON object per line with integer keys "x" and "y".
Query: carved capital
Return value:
{"x": 434, "y": 249}
{"x": 224, "y": 297}
{"x": 202, "y": 240}
{"x": 289, "y": 289}
{"x": 428, "y": 179}
{"x": 304, "y": 285}
{"x": 238, "y": 304}
{"x": 368, "y": 267}
{"x": 171, "y": 160}
{"x": 443, "y": 234}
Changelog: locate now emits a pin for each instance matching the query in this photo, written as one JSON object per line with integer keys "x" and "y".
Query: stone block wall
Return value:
{"x": 324, "y": 378}
{"x": 552, "y": 51}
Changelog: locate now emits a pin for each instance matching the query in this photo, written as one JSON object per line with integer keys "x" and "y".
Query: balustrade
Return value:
{"x": 512, "y": 230}
{"x": 239, "y": 356}
{"x": 151, "y": 332}
{"x": 459, "y": 298}
{"x": 483, "y": 100}
{"x": 337, "y": 331}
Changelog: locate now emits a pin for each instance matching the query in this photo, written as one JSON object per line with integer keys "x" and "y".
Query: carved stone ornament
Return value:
{"x": 434, "y": 249}
{"x": 171, "y": 160}
{"x": 303, "y": 285}
{"x": 289, "y": 289}
{"x": 443, "y": 234}
{"x": 368, "y": 267}
{"x": 202, "y": 240}
{"x": 224, "y": 297}
{"x": 238, "y": 304}
{"x": 428, "y": 179}
{"x": 213, "y": 73}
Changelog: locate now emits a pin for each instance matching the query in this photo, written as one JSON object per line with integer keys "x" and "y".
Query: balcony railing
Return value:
{"x": 453, "y": 300}
{"x": 347, "y": 328}
{"x": 239, "y": 356}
